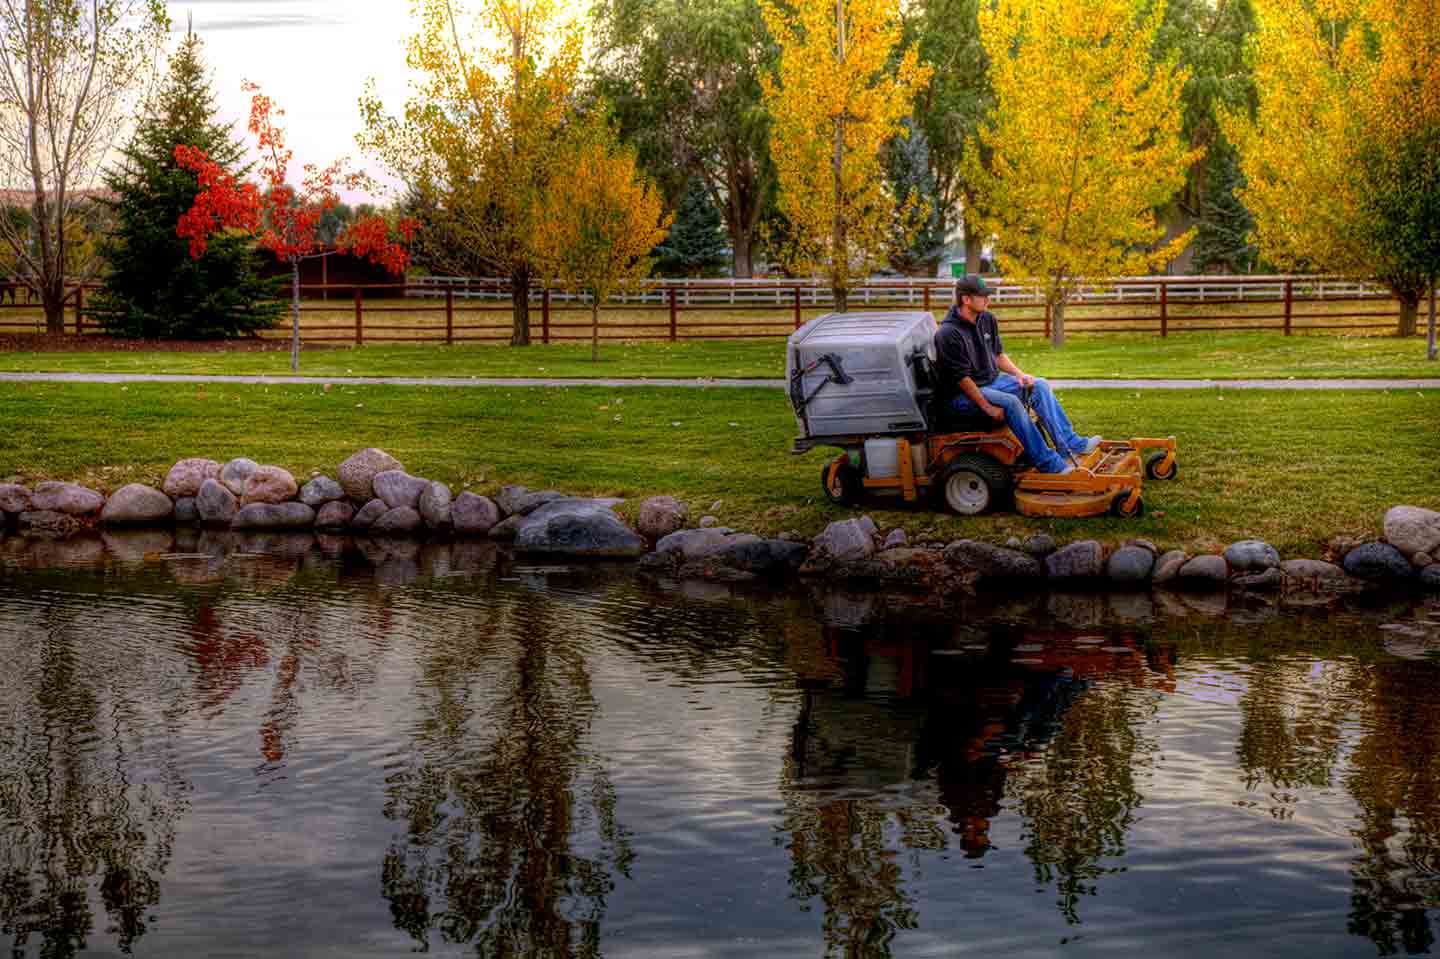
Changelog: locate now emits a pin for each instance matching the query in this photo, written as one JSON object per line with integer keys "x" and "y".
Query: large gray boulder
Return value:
{"x": 1205, "y": 570}
{"x": 1077, "y": 561}
{"x": 436, "y": 506}
{"x": 993, "y": 562}
{"x": 1380, "y": 562}
{"x": 215, "y": 503}
{"x": 1412, "y": 530}
{"x": 335, "y": 514}
{"x": 577, "y": 528}
{"x": 660, "y": 516}
{"x": 357, "y": 474}
{"x": 846, "y": 541}
{"x": 366, "y": 515}
{"x": 400, "y": 519}
{"x": 765, "y": 558}
{"x": 269, "y": 484}
{"x": 473, "y": 514}
{"x": 1251, "y": 556}
{"x": 398, "y": 488}
{"x": 319, "y": 491}
{"x": 1130, "y": 566}
{"x": 185, "y": 477}
{"x": 137, "y": 505}
{"x": 695, "y": 544}
{"x": 67, "y": 498}
{"x": 234, "y": 474}
{"x": 1168, "y": 566}
{"x": 14, "y": 498}
{"x": 291, "y": 515}
{"x": 530, "y": 502}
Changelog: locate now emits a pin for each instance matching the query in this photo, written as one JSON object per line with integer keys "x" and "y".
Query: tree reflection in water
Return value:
{"x": 1395, "y": 777}
{"x": 1376, "y": 727}
{"x": 499, "y": 792}
{"x": 1053, "y": 733}
{"x": 82, "y": 799}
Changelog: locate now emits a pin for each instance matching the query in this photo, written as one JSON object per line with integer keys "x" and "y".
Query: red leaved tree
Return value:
{"x": 284, "y": 220}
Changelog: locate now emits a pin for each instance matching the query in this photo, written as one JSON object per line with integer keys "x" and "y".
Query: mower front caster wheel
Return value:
{"x": 974, "y": 484}
{"x": 841, "y": 482}
{"x": 1155, "y": 469}
{"x": 1119, "y": 507}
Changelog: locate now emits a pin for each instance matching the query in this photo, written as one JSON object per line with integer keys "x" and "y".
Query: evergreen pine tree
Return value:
{"x": 154, "y": 288}
{"x": 907, "y": 168}
{"x": 1223, "y": 232}
{"x": 697, "y": 242}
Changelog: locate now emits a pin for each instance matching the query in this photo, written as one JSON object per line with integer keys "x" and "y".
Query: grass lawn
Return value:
{"x": 1292, "y": 468}
{"x": 1125, "y": 355}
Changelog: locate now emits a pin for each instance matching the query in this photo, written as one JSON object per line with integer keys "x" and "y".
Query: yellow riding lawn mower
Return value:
{"x": 865, "y": 383}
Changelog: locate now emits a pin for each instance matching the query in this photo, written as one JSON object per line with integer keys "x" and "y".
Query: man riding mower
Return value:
{"x": 867, "y": 383}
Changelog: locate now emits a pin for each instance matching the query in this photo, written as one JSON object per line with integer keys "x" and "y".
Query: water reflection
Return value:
{"x": 1047, "y": 726}
{"x": 899, "y": 746}
{"x": 499, "y": 794}
{"x": 86, "y": 796}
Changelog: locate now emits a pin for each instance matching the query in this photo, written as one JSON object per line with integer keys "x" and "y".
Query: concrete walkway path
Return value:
{"x": 460, "y": 381}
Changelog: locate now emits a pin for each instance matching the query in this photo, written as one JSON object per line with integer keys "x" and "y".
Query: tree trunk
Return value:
{"x": 842, "y": 299}
{"x": 594, "y": 328}
{"x": 744, "y": 266}
{"x": 1409, "y": 312}
{"x": 294, "y": 315}
{"x": 52, "y": 296}
{"x": 1430, "y": 345}
{"x": 1057, "y": 324}
{"x": 520, "y": 306}
{"x": 974, "y": 247}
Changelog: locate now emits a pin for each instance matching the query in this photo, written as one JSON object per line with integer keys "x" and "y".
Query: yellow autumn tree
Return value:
{"x": 838, "y": 97}
{"x": 478, "y": 139}
{"x": 1340, "y": 155}
{"x": 599, "y": 221}
{"x": 1084, "y": 143}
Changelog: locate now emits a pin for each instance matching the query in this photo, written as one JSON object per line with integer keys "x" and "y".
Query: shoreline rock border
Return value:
{"x": 373, "y": 495}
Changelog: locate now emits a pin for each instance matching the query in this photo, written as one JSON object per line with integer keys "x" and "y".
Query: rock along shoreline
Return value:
{"x": 372, "y": 495}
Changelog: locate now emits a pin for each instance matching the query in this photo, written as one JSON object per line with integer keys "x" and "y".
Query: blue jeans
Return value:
{"x": 1004, "y": 392}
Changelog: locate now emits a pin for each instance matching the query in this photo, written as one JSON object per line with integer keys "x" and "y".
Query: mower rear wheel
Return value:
{"x": 844, "y": 486}
{"x": 974, "y": 484}
{"x": 1155, "y": 471}
{"x": 1118, "y": 506}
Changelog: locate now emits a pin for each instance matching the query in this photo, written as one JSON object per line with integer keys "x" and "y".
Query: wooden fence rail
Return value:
{"x": 477, "y": 311}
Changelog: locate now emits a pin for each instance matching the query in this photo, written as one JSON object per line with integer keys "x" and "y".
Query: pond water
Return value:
{"x": 324, "y": 748}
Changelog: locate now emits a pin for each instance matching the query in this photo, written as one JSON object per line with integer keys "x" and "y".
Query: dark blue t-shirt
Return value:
{"x": 966, "y": 349}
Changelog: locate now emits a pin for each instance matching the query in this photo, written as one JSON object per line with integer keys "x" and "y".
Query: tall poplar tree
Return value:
{"x": 1084, "y": 143}
{"x": 839, "y": 96}
{"x": 154, "y": 287}
{"x": 1338, "y": 157}
{"x": 492, "y": 101}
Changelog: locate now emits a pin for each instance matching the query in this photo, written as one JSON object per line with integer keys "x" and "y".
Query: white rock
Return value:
{"x": 1412, "y": 530}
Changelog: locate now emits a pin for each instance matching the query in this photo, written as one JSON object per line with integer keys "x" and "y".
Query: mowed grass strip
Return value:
{"x": 1293, "y": 468}
{"x": 1104, "y": 356}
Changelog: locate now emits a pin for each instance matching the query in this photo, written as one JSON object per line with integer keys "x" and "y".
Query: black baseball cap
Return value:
{"x": 972, "y": 285}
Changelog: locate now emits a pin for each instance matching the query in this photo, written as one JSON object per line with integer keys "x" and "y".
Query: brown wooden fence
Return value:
{"x": 451, "y": 311}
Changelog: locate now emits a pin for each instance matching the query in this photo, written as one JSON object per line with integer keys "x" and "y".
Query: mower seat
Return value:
{"x": 939, "y": 417}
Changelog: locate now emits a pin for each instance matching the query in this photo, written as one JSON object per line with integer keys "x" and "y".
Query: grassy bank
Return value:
{"x": 1124, "y": 355}
{"x": 1293, "y": 468}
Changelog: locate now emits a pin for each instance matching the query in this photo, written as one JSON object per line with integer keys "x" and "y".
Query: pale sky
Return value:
{"x": 312, "y": 57}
